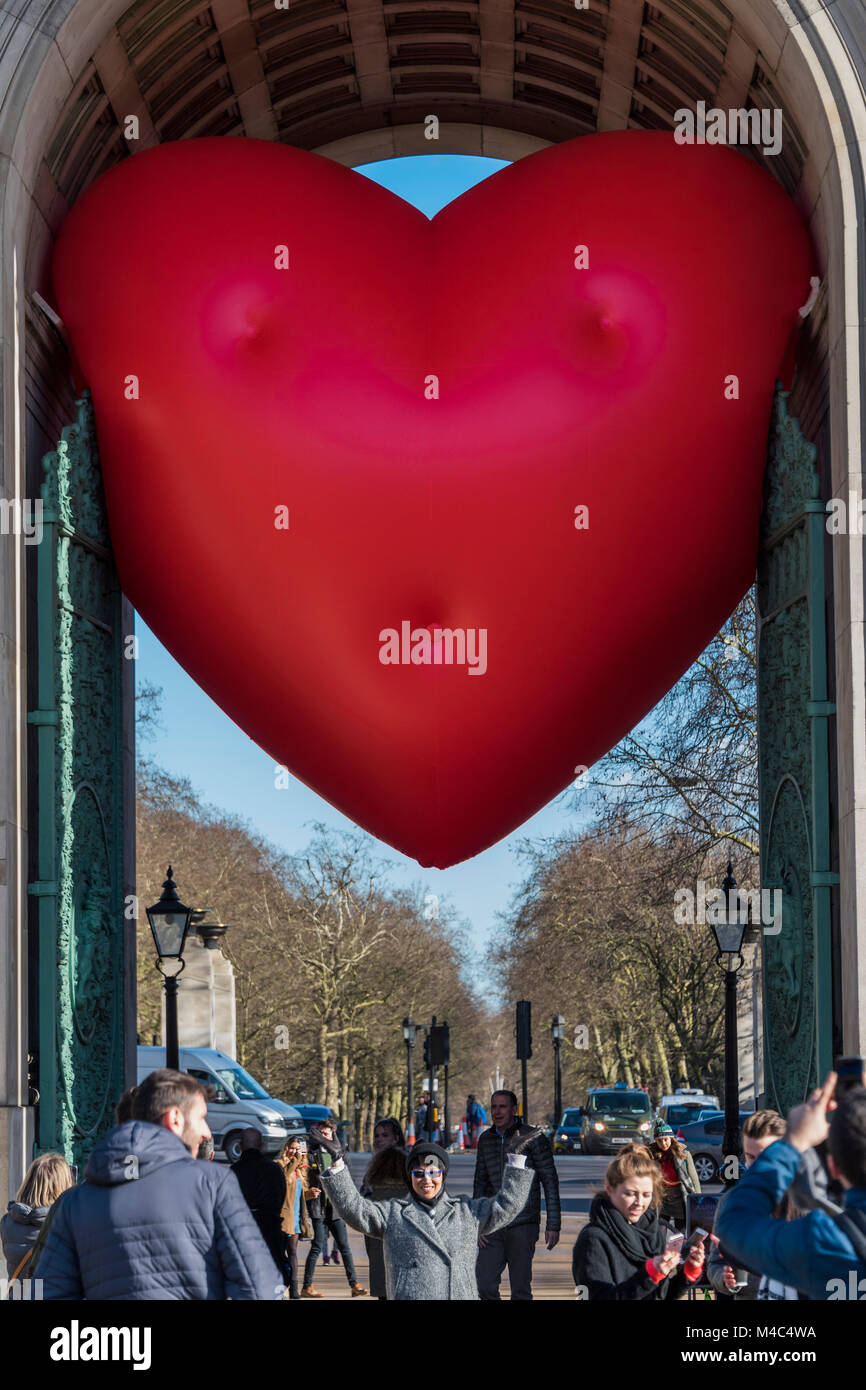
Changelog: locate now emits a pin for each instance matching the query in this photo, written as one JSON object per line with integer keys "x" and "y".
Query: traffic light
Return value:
{"x": 427, "y": 1051}
{"x": 523, "y": 1030}
{"x": 440, "y": 1045}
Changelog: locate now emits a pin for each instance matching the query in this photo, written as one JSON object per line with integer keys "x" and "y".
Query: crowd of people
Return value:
{"x": 155, "y": 1218}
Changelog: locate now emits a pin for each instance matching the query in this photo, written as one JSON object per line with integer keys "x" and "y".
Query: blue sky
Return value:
{"x": 228, "y": 770}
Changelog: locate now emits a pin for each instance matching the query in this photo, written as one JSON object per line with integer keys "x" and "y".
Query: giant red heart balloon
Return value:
{"x": 433, "y": 403}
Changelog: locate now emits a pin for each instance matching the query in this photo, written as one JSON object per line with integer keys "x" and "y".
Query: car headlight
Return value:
{"x": 644, "y": 1127}
{"x": 271, "y": 1121}
{"x": 599, "y": 1126}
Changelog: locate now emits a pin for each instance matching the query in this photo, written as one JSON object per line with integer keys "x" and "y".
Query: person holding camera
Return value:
{"x": 429, "y": 1238}
{"x": 822, "y": 1255}
{"x": 760, "y": 1130}
{"x": 323, "y": 1138}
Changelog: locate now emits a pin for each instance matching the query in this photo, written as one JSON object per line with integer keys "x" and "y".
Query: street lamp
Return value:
{"x": 410, "y": 1033}
{"x": 557, "y": 1032}
{"x": 169, "y": 921}
{"x": 729, "y": 928}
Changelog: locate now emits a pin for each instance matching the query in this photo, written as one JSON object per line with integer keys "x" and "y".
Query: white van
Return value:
{"x": 684, "y": 1106}
{"x": 239, "y": 1101}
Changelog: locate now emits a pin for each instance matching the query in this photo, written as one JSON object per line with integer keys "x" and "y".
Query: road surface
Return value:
{"x": 580, "y": 1177}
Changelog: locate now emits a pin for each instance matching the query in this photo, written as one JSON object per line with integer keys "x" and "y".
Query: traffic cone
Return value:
{"x": 410, "y": 1134}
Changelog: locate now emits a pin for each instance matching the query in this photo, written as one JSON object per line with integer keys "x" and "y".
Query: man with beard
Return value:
{"x": 149, "y": 1221}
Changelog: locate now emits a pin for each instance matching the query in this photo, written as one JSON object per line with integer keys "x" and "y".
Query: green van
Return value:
{"x": 614, "y": 1116}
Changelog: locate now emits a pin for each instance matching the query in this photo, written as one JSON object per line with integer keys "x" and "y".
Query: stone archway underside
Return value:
{"x": 358, "y": 77}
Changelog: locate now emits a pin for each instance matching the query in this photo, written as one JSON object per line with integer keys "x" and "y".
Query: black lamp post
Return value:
{"x": 410, "y": 1033}
{"x": 557, "y": 1032}
{"x": 729, "y": 927}
{"x": 169, "y": 921}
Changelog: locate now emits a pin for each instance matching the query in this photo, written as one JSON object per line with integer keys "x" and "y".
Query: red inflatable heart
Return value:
{"x": 354, "y": 428}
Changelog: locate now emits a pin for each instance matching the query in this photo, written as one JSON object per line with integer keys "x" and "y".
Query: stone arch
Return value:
{"x": 353, "y": 79}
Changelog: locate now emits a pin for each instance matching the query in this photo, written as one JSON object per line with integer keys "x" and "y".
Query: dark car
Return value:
{"x": 613, "y": 1116}
{"x": 315, "y": 1114}
{"x": 566, "y": 1136}
{"x": 704, "y": 1140}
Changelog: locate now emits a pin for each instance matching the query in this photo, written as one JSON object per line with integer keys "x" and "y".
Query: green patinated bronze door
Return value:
{"x": 794, "y": 717}
{"x": 85, "y": 912}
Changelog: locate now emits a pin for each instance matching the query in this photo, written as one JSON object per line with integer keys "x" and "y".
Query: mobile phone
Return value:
{"x": 698, "y": 1233}
{"x": 849, "y": 1073}
{"x": 674, "y": 1243}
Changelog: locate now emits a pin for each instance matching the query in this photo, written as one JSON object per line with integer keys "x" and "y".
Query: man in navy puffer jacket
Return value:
{"x": 152, "y": 1222}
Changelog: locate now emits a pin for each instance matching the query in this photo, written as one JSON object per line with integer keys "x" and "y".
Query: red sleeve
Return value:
{"x": 654, "y": 1274}
{"x": 692, "y": 1271}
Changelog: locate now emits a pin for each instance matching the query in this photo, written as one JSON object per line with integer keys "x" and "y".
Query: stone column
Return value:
{"x": 206, "y": 996}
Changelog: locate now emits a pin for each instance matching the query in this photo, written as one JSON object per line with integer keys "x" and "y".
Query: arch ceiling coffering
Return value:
{"x": 321, "y": 71}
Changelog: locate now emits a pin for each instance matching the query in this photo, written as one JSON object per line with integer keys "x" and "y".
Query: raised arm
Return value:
{"x": 362, "y": 1215}
{"x": 493, "y": 1212}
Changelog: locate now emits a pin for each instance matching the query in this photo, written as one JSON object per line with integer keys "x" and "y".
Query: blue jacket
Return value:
{"x": 808, "y": 1253}
{"x": 152, "y": 1222}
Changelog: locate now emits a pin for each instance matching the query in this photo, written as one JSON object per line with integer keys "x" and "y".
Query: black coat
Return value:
{"x": 490, "y": 1172}
{"x": 604, "y": 1263}
{"x": 319, "y": 1161}
{"x": 263, "y": 1183}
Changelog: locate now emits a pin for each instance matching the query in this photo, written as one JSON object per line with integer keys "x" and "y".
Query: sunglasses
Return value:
{"x": 426, "y": 1172}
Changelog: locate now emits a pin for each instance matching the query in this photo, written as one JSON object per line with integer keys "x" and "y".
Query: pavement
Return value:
{"x": 580, "y": 1177}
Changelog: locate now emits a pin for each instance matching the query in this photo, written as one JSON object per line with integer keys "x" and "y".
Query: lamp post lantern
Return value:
{"x": 557, "y": 1032}
{"x": 729, "y": 927}
{"x": 169, "y": 922}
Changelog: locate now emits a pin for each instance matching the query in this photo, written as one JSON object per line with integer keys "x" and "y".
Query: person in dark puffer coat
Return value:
{"x": 515, "y": 1245}
{"x": 150, "y": 1221}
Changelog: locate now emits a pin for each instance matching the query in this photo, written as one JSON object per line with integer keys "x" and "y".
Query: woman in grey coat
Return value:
{"x": 430, "y": 1239}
